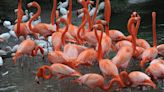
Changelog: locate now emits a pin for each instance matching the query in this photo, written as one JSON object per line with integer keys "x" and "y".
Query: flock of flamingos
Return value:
{"x": 72, "y": 46}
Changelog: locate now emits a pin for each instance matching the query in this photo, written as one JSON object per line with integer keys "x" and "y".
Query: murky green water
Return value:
{"x": 22, "y": 80}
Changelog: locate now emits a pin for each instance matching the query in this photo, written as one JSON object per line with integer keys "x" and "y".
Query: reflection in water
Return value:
{"x": 137, "y": 1}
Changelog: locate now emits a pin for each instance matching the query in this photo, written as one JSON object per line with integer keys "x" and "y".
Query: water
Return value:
{"x": 15, "y": 79}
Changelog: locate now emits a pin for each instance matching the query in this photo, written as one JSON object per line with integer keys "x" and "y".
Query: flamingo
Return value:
{"x": 80, "y": 51}
{"x": 107, "y": 67}
{"x": 160, "y": 49}
{"x": 35, "y": 21}
{"x": 125, "y": 53}
{"x": 60, "y": 70}
{"x": 137, "y": 78}
{"x": 22, "y": 29}
{"x": 139, "y": 48}
{"x": 150, "y": 53}
{"x": 87, "y": 36}
{"x": 27, "y": 47}
{"x": 41, "y": 28}
{"x": 158, "y": 60}
{"x": 115, "y": 35}
{"x": 155, "y": 70}
{"x": 93, "y": 80}
{"x": 59, "y": 36}
{"x": 64, "y": 57}
{"x": 139, "y": 42}
{"x": 70, "y": 48}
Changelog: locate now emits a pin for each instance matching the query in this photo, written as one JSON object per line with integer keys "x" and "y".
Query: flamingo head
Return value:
{"x": 35, "y": 4}
{"x": 42, "y": 73}
{"x": 103, "y": 22}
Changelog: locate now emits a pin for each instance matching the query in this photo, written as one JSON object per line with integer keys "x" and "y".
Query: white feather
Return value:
{"x": 6, "y": 23}
{"x": 101, "y": 5}
{"x": 1, "y": 61}
{"x": 25, "y": 17}
{"x": 64, "y": 4}
{"x": 63, "y": 11}
{"x": 5, "y": 36}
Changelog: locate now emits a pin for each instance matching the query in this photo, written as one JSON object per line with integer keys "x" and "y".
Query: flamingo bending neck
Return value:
{"x": 34, "y": 4}
{"x": 42, "y": 72}
{"x": 66, "y": 29}
{"x": 99, "y": 39}
{"x": 132, "y": 31}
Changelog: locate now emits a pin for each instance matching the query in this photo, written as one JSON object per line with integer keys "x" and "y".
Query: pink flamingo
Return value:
{"x": 27, "y": 47}
{"x": 93, "y": 80}
{"x": 107, "y": 67}
{"x": 160, "y": 49}
{"x": 115, "y": 35}
{"x": 139, "y": 42}
{"x": 151, "y": 53}
{"x": 125, "y": 53}
{"x": 87, "y": 36}
{"x": 41, "y": 28}
{"x": 157, "y": 61}
{"x": 22, "y": 29}
{"x": 156, "y": 70}
{"x": 137, "y": 78}
{"x": 60, "y": 70}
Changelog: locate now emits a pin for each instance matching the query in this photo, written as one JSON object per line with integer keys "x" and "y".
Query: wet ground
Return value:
{"x": 14, "y": 78}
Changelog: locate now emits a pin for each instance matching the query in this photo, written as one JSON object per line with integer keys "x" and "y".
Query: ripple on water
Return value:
{"x": 137, "y": 1}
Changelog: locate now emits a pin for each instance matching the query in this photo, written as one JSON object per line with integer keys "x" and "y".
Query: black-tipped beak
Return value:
{"x": 37, "y": 80}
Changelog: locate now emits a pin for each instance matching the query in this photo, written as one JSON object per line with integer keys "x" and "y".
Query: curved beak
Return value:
{"x": 37, "y": 80}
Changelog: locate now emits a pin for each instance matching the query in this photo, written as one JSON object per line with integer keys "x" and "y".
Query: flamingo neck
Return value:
{"x": 107, "y": 15}
{"x": 79, "y": 29}
{"x": 19, "y": 17}
{"x": 36, "y": 50}
{"x": 110, "y": 84}
{"x": 42, "y": 72}
{"x": 124, "y": 76}
{"x": 107, "y": 10}
{"x": 99, "y": 39}
{"x": 34, "y": 16}
{"x": 137, "y": 26}
{"x": 53, "y": 13}
{"x": 69, "y": 17}
{"x": 132, "y": 32}
{"x": 95, "y": 13}
{"x": 63, "y": 34}
{"x": 85, "y": 5}
{"x": 88, "y": 18}
{"x": 154, "y": 29}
